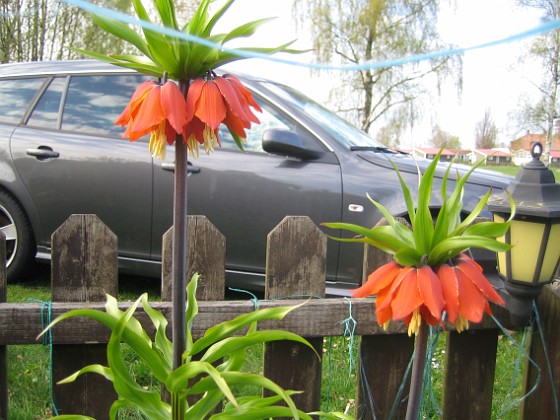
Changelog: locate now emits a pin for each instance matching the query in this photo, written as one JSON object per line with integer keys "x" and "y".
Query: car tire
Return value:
{"x": 20, "y": 244}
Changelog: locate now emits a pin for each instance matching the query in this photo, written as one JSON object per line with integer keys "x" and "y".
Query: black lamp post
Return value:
{"x": 534, "y": 234}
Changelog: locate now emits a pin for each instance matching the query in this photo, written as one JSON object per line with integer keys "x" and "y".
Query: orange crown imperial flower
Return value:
{"x": 156, "y": 109}
{"x": 212, "y": 101}
{"x": 431, "y": 275}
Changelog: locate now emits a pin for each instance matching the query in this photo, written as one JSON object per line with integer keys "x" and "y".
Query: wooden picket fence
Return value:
{"x": 84, "y": 268}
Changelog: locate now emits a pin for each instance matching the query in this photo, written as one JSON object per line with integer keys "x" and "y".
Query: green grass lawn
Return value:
{"x": 512, "y": 170}
{"x": 29, "y": 393}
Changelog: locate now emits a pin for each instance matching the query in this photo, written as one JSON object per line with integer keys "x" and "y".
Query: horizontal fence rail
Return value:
{"x": 22, "y": 322}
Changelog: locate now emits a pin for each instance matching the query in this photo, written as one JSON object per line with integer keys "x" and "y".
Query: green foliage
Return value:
{"x": 211, "y": 366}
{"x": 180, "y": 58}
{"x": 426, "y": 241}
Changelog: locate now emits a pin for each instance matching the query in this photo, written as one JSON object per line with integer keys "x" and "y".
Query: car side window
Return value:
{"x": 45, "y": 113}
{"x": 268, "y": 119}
{"x": 93, "y": 103}
{"x": 16, "y": 95}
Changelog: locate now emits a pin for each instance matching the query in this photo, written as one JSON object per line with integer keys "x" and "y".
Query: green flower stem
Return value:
{"x": 178, "y": 406}
{"x": 179, "y": 260}
{"x": 418, "y": 367}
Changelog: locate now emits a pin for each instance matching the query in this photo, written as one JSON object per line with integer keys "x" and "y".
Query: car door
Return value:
{"x": 245, "y": 194}
{"x": 75, "y": 162}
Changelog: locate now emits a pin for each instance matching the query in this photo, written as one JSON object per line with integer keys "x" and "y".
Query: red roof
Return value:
{"x": 492, "y": 152}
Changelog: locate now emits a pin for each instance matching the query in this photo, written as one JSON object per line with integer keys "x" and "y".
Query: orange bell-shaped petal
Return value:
{"x": 450, "y": 289}
{"x": 471, "y": 300}
{"x": 210, "y": 107}
{"x": 471, "y": 271}
{"x": 430, "y": 289}
{"x": 407, "y": 298}
{"x": 378, "y": 280}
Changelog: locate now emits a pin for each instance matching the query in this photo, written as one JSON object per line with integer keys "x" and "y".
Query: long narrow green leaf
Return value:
{"x": 160, "y": 47}
{"x": 139, "y": 67}
{"x": 408, "y": 257}
{"x": 423, "y": 223}
{"x": 455, "y": 245}
{"x": 487, "y": 229}
{"x": 406, "y": 194}
{"x": 215, "y": 18}
{"x": 239, "y": 378}
{"x": 191, "y": 311}
{"x": 472, "y": 215}
{"x": 232, "y": 344}
{"x": 122, "y": 31}
{"x": 148, "y": 402}
{"x": 161, "y": 342}
{"x": 166, "y": 11}
{"x": 245, "y": 30}
{"x": 402, "y": 232}
{"x": 228, "y": 328}
{"x": 178, "y": 381}
{"x": 383, "y": 237}
{"x": 197, "y": 23}
{"x": 250, "y": 413}
{"x": 99, "y": 369}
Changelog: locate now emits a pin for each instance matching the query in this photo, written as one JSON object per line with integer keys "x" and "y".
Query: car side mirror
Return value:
{"x": 286, "y": 143}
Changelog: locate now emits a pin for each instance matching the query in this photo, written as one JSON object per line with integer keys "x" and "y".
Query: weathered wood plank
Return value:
{"x": 469, "y": 374}
{"x": 296, "y": 266}
{"x": 3, "y": 349}
{"x": 83, "y": 269}
{"x": 541, "y": 404}
{"x": 21, "y": 322}
{"x": 383, "y": 360}
{"x": 206, "y": 253}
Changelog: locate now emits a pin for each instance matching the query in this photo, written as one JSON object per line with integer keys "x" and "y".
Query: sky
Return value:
{"x": 489, "y": 77}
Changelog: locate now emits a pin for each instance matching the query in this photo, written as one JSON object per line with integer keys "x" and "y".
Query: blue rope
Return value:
{"x": 46, "y": 317}
{"x": 115, "y": 15}
{"x": 254, "y": 298}
{"x": 522, "y": 353}
{"x": 349, "y": 331}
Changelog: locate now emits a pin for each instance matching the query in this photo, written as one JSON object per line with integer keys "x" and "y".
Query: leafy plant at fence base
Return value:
{"x": 211, "y": 364}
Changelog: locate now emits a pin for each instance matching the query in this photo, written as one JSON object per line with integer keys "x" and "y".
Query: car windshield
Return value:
{"x": 338, "y": 128}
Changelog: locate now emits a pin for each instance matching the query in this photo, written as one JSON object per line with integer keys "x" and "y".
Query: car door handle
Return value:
{"x": 171, "y": 167}
{"x": 42, "y": 153}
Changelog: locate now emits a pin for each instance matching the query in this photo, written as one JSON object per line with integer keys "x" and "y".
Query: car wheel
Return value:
{"x": 20, "y": 245}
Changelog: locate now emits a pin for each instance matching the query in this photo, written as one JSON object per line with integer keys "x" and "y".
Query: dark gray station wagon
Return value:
{"x": 60, "y": 154}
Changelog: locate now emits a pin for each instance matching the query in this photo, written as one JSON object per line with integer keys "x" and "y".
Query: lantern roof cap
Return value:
{"x": 534, "y": 190}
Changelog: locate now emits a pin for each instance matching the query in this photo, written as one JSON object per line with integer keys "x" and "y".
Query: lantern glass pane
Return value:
{"x": 502, "y": 268}
{"x": 526, "y": 238}
{"x": 551, "y": 255}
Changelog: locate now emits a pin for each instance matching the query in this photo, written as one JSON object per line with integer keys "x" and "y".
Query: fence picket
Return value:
{"x": 83, "y": 269}
{"x": 296, "y": 267}
{"x": 383, "y": 360}
{"x": 545, "y": 402}
{"x": 469, "y": 374}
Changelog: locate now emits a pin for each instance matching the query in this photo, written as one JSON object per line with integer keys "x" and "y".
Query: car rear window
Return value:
{"x": 93, "y": 103}
{"x": 45, "y": 114}
{"x": 15, "y": 97}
